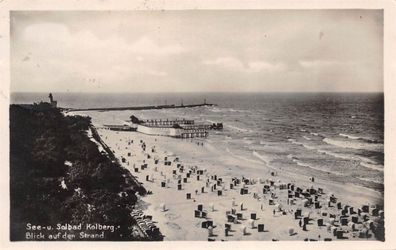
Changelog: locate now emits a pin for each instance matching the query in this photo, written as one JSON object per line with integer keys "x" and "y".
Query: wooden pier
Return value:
{"x": 193, "y": 133}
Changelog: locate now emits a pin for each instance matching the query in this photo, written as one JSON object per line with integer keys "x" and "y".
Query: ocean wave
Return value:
{"x": 299, "y": 163}
{"x": 370, "y": 180}
{"x": 363, "y": 161}
{"x": 238, "y": 110}
{"x": 336, "y": 155}
{"x": 366, "y": 160}
{"x": 247, "y": 140}
{"x": 302, "y": 164}
{"x": 216, "y": 110}
{"x": 237, "y": 128}
{"x": 352, "y": 137}
{"x": 211, "y": 121}
{"x": 242, "y": 158}
{"x": 306, "y": 138}
{"x": 306, "y": 165}
{"x": 344, "y": 156}
{"x": 317, "y": 134}
{"x": 257, "y": 147}
{"x": 355, "y": 144}
{"x": 261, "y": 157}
{"x": 372, "y": 166}
{"x": 309, "y": 147}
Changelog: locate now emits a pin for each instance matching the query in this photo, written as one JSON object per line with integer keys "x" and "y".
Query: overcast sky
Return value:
{"x": 202, "y": 50}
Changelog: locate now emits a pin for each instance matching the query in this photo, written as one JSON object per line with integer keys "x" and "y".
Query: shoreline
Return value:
{"x": 255, "y": 168}
{"x": 177, "y": 222}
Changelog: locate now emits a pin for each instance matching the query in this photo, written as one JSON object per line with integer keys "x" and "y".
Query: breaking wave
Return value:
{"x": 216, "y": 110}
{"x": 211, "y": 121}
{"x": 352, "y": 137}
{"x": 306, "y": 165}
{"x": 309, "y": 147}
{"x": 363, "y": 161}
{"x": 369, "y": 180}
{"x": 238, "y": 110}
{"x": 241, "y": 157}
{"x": 247, "y": 140}
{"x": 262, "y": 157}
{"x": 237, "y": 128}
{"x": 372, "y": 166}
{"x": 355, "y": 144}
{"x": 336, "y": 155}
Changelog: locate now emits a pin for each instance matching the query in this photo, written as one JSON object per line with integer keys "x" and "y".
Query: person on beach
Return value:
{"x": 273, "y": 211}
{"x": 300, "y": 223}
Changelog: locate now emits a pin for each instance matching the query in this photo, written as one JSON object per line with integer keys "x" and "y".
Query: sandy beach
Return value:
{"x": 177, "y": 171}
{"x": 200, "y": 122}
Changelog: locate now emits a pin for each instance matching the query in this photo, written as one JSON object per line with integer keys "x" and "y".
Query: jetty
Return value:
{"x": 171, "y": 106}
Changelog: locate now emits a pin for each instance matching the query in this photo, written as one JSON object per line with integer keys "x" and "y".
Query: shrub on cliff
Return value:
{"x": 42, "y": 140}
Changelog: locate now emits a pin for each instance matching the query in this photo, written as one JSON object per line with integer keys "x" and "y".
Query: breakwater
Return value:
{"x": 172, "y": 106}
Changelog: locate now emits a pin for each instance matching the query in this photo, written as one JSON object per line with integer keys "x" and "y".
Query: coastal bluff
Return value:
{"x": 61, "y": 182}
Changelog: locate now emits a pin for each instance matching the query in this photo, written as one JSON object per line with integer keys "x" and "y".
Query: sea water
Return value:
{"x": 337, "y": 136}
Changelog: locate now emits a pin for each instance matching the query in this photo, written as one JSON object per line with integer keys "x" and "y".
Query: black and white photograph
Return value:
{"x": 197, "y": 125}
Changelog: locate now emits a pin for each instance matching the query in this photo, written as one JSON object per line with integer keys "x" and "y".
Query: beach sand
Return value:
{"x": 178, "y": 222}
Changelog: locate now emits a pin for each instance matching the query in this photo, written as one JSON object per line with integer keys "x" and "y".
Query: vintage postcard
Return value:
{"x": 175, "y": 124}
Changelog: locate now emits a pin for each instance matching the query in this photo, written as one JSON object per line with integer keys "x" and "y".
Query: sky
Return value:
{"x": 197, "y": 51}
